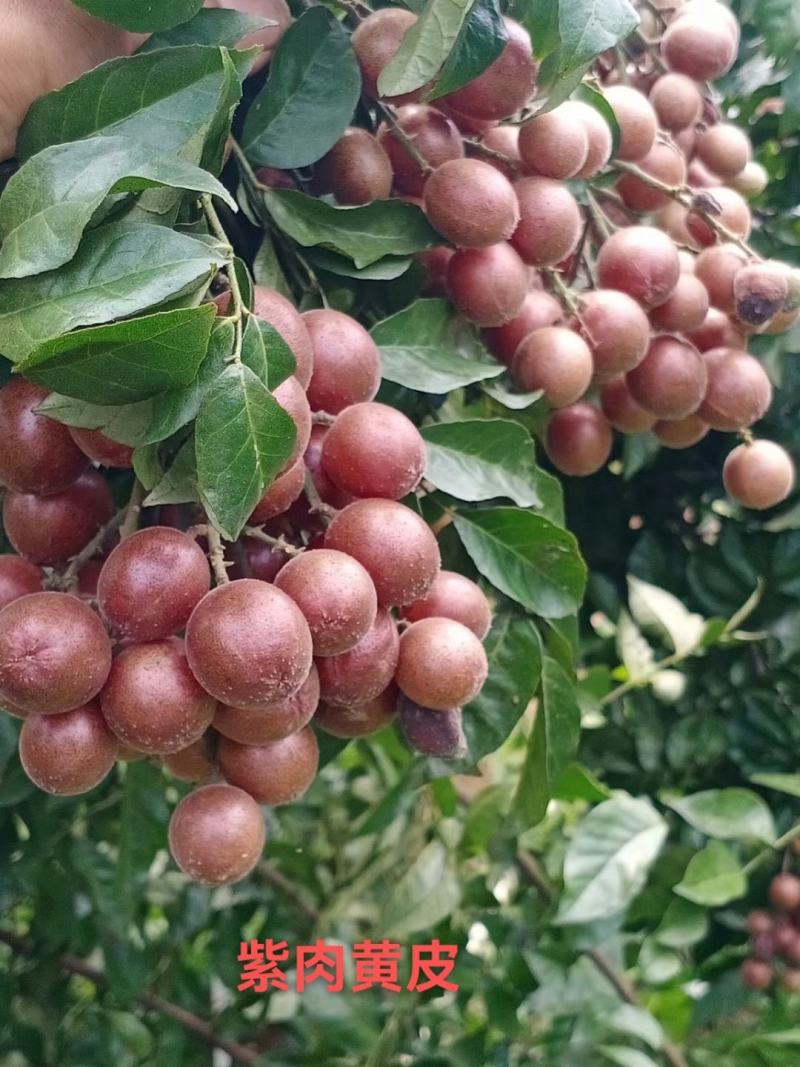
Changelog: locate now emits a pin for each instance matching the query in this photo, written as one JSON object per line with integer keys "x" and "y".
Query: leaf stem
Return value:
{"x": 69, "y": 577}
{"x": 216, "y": 555}
{"x": 405, "y": 141}
{"x": 133, "y": 509}
{"x": 239, "y": 309}
{"x": 491, "y": 153}
{"x": 280, "y": 543}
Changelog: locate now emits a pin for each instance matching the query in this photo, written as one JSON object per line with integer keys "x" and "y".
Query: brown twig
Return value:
{"x": 492, "y": 153}
{"x": 216, "y": 556}
{"x": 315, "y": 501}
{"x": 152, "y": 1001}
{"x": 403, "y": 138}
{"x": 130, "y": 521}
{"x": 279, "y": 543}
{"x": 69, "y": 577}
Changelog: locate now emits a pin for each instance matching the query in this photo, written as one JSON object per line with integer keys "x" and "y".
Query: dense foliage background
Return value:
{"x": 604, "y": 925}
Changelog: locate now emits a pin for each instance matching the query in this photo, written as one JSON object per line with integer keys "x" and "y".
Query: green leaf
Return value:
{"x": 713, "y": 877}
{"x": 782, "y": 783}
{"x": 363, "y": 234}
{"x": 626, "y": 1057}
{"x": 314, "y": 84}
{"x": 552, "y": 744}
{"x": 179, "y": 483}
{"x": 578, "y": 783}
{"x": 428, "y": 347}
{"x": 142, "y": 16}
{"x": 588, "y": 27}
{"x": 636, "y": 654}
{"x": 499, "y": 390}
{"x": 727, "y": 814}
{"x": 481, "y": 40}
{"x": 243, "y": 438}
{"x": 656, "y": 609}
{"x": 684, "y": 924}
{"x": 266, "y": 353}
{"x": 385, "y": 270}
{"x": 526, "y": 557}
{"x": 424, "y": 48}
{"x": 210, "y": 26}
{"x": 267, "y": 269}
{"x": 426, "y": 893}
{"x": 609, "y": 858}
{"x": 170, "y": 100}
{"x": 125, "y": 361}
{"x": 119, "y": 270}
{"x": 50, "y": 201}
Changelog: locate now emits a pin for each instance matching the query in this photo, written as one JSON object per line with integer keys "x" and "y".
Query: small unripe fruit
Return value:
{"x": 347, "y": 365}
{"x": 621, "y": 409}
{"x": 671, "y": 380}
{"x": 439, "y": 734}
{"x": 361, "y": 674}
{"x": 549, "y": 222}
{"x": 101, "y": 449}
{"x": 578, "y": 440}
{"x": 488, "y": 285}
{"x": 442, "y": 664}
{"x": 554, "y": 144}
{"x": 717, "y": 267}
{"x": 677, "y": 101}
{"x": 616, "y": 329}
{"x": 556, "y": 360}
{"x": 373, "y": 450}
{"x": 505, "y": 86}
{"x": 539, "y": 309}
{"x": 738, "y": 392}
{"x": 18, "y": 578}
{"x": 358, "y": 720}
{"x": 681, "y": 433}
{"x": 272, "y": 721}
{"x": 280, "y": 313}
{"x": 470, "y": 203}
{"x": 217, "y": 834}
{"x": 757, "y": 974}
{"x": 724, "y": 148}
{"x": 686, "y": 307}
{"x": 700, "y": 45}
{"x": 636, "y": 119}
{"x": 151, "y": 583}
{"x": 55, "y": 654}
{"x": 356, "y": 170}
{"x": 665, "y": 162}
{"x": 434, "y": 136}
{"x": 759, "y": 475}
{"x": 760, "y": 291}
{"x": 375, "y": 42}
{"x": 452, "y": 596}
{"x": 276, "y": 773}
{"x": 642, "y": 262}
{"x": 37, "y": 454}
{"x": 67, "y": 754}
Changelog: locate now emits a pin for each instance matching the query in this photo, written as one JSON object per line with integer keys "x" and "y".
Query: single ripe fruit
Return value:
{"x": 439, "y": 734}
{"x": 505, "y": 86}
{"x": 328, "y": 492}
{"x": 292, "y": 398}
{"x": 758, "y": 475}
{"x": 434, "y": 136}
{"x": 278, "y": 772}
{"x": 101, "y": 449}
{"x": 699, "y": 45}
{"x": 538, "y": 309}
{"x": 374, "y": 450}
{"x": 272, "y": 721}
{"x": 151, "y": 584}
{"x": 248, "y": 644}
{"x": 362, "y": 673}
{"x": 757, "y": 974}
{"x": 452, "y": 596}
{"x": 717, "y": 267}
{"x": 336, "y": 596}
{"x": 280, "y": 313}
{"x": 347, "y": 366}
{"x": 470, "y": 203}
{"x": 217, "y": 834}
{"x": 152, "y": 701}
{"x": 671, "y": 380}
{"x": 578, "y": 440}
{"x": 621, "y": 409}
{"x": 640, "y": 261}
{"x": 665, "y": 162}
{"x": 37, "y": 454}
{"x": 356, "y": 170}
{"x": 55, "y": 654}
{"x": 394, "y": 545}
{"x": 358, "y": 720}
{"x": 636, "y": 119}
{"x": 191, "y": 764}
{"x": 488, "y": 285}
{"x": 598, "y": 136}
{"x": 554, "y": 144}
{"x": 442, "y": 664}
{"x": 18, "y": 577}
{"x": 375, "y": 41}
{"x": 677, "y": 101}
{"x": 51, "y": 529}
{"x": 616, "y": 329}
{"x": 281, "y": 494}
{"x": 681, "y": 433}
{"x": 724, "y": 148}
{"x": 738, "y": 392}
{"x": 784, "y": 891}
{"x": 716, "y": 331}
{"x": 760, "y": 291}
{"x": 549, "y": 222}
{"x": 67, "y": 754}
{"x": 556, "y": 360}
{"x": 685, "y": 309}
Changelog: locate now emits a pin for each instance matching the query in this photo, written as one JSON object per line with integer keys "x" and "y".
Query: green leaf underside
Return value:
{"x": 210, "y": 26}
{"x": 266, "y": 353}
{"x": 429, "y": 348}
{"x": 363, "y": 234}
{"x": 481, "y": 40}
{"x": 713, "y": 877}
{"x": 125, "y": 361}
{"x": 727, "y": 814}
{"x": 49, "y": 202}
{"x": 313, "y": 86}
{"x": 480, "y": 459}
{"x": 119, "y": 270}
{"x": 526, "y": 557}
{"x": 142, "y": 16}
{"x": 243, "y": 438}
{"x": 179, "y": 483}
{"x": 427, "y": 892}
{"x": 424, "y": 48}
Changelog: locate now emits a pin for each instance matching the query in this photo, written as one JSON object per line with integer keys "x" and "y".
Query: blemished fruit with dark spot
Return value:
{"x": 248, "y": 644}
{"x": 442, "y": 664}
{"x": 276, "y": 773}
{"x": 373, "y": 450}
{"x": 470, "y": 203}
{"x": 217, "y": 834}
{"x": 364, "y": 672}
{"x": 760, "y": 291}
{"x": 717, "y": 267}
{"x": 487, "y": 285}
{"x": 759, "y": 475}
{"x": 453, "y": 596}
{"x": 67, "y": 754}
{"x": 578, "y": 440}
{"x": 151, "y": 583}
{"x": 272, "y": 721}
{"x": 55, "y": 654}
{"x": 37, "y": 454}
{"x": 347, "y": 366}
{"x": 727, "y": 208}
{"x": 439, "y": 734}
{"x": 358, "y": 720}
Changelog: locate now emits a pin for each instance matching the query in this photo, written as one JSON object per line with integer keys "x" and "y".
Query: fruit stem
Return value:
{"x": 406, "y": 141}
{"x": 562, "y": 291}
{"x": 316, "y": 503}
{"x": 239, "y": 309}
{"x": 322, "y": 418}
{"x": 216, "y": 555}
{"x": 67, "y": 580}
{"x": 130, "y": 521}
{"x": 777, "y": 846}
{"x": 258, "y": 534}
{"x": 492, "y": 153}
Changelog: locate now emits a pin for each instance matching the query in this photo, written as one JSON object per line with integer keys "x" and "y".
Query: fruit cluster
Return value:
{"x": 304, "y": 633}
{"x": 775, "y": 938}
{"x": 629, "y": 306}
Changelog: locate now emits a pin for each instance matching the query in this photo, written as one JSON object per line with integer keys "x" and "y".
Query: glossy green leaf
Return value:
{"x": 588, "y": 27}
{"x": 51, "y": 199}
{"x": 609, "y": 858}
{"x": 425, "y": 47}
{"x": 142, "y": 16}
{"x": 363, "y": 234}
{"x": 621, "y": 1056}
{"x": 313, "y": 86}
{"x": 426, "y": 893}
{"x": 481, "y": 40}
{"x": 266, "y": 353}
{"x": 385, "y": 270}
{"x": 479, "y": 459}
{"x": 727, "y": 814}
{"x": 210, "y": 26}
{"x": 429, "y": 348}
{"x": 243, "y": 438}
{"x": 713, "y": 877}
{"x": 526, "y": 557}
{"x": 179, "y": 482}
{"x": 119, "y": 270}
{"x": 782, "y": 783}
{"x": 684, "y": 924}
